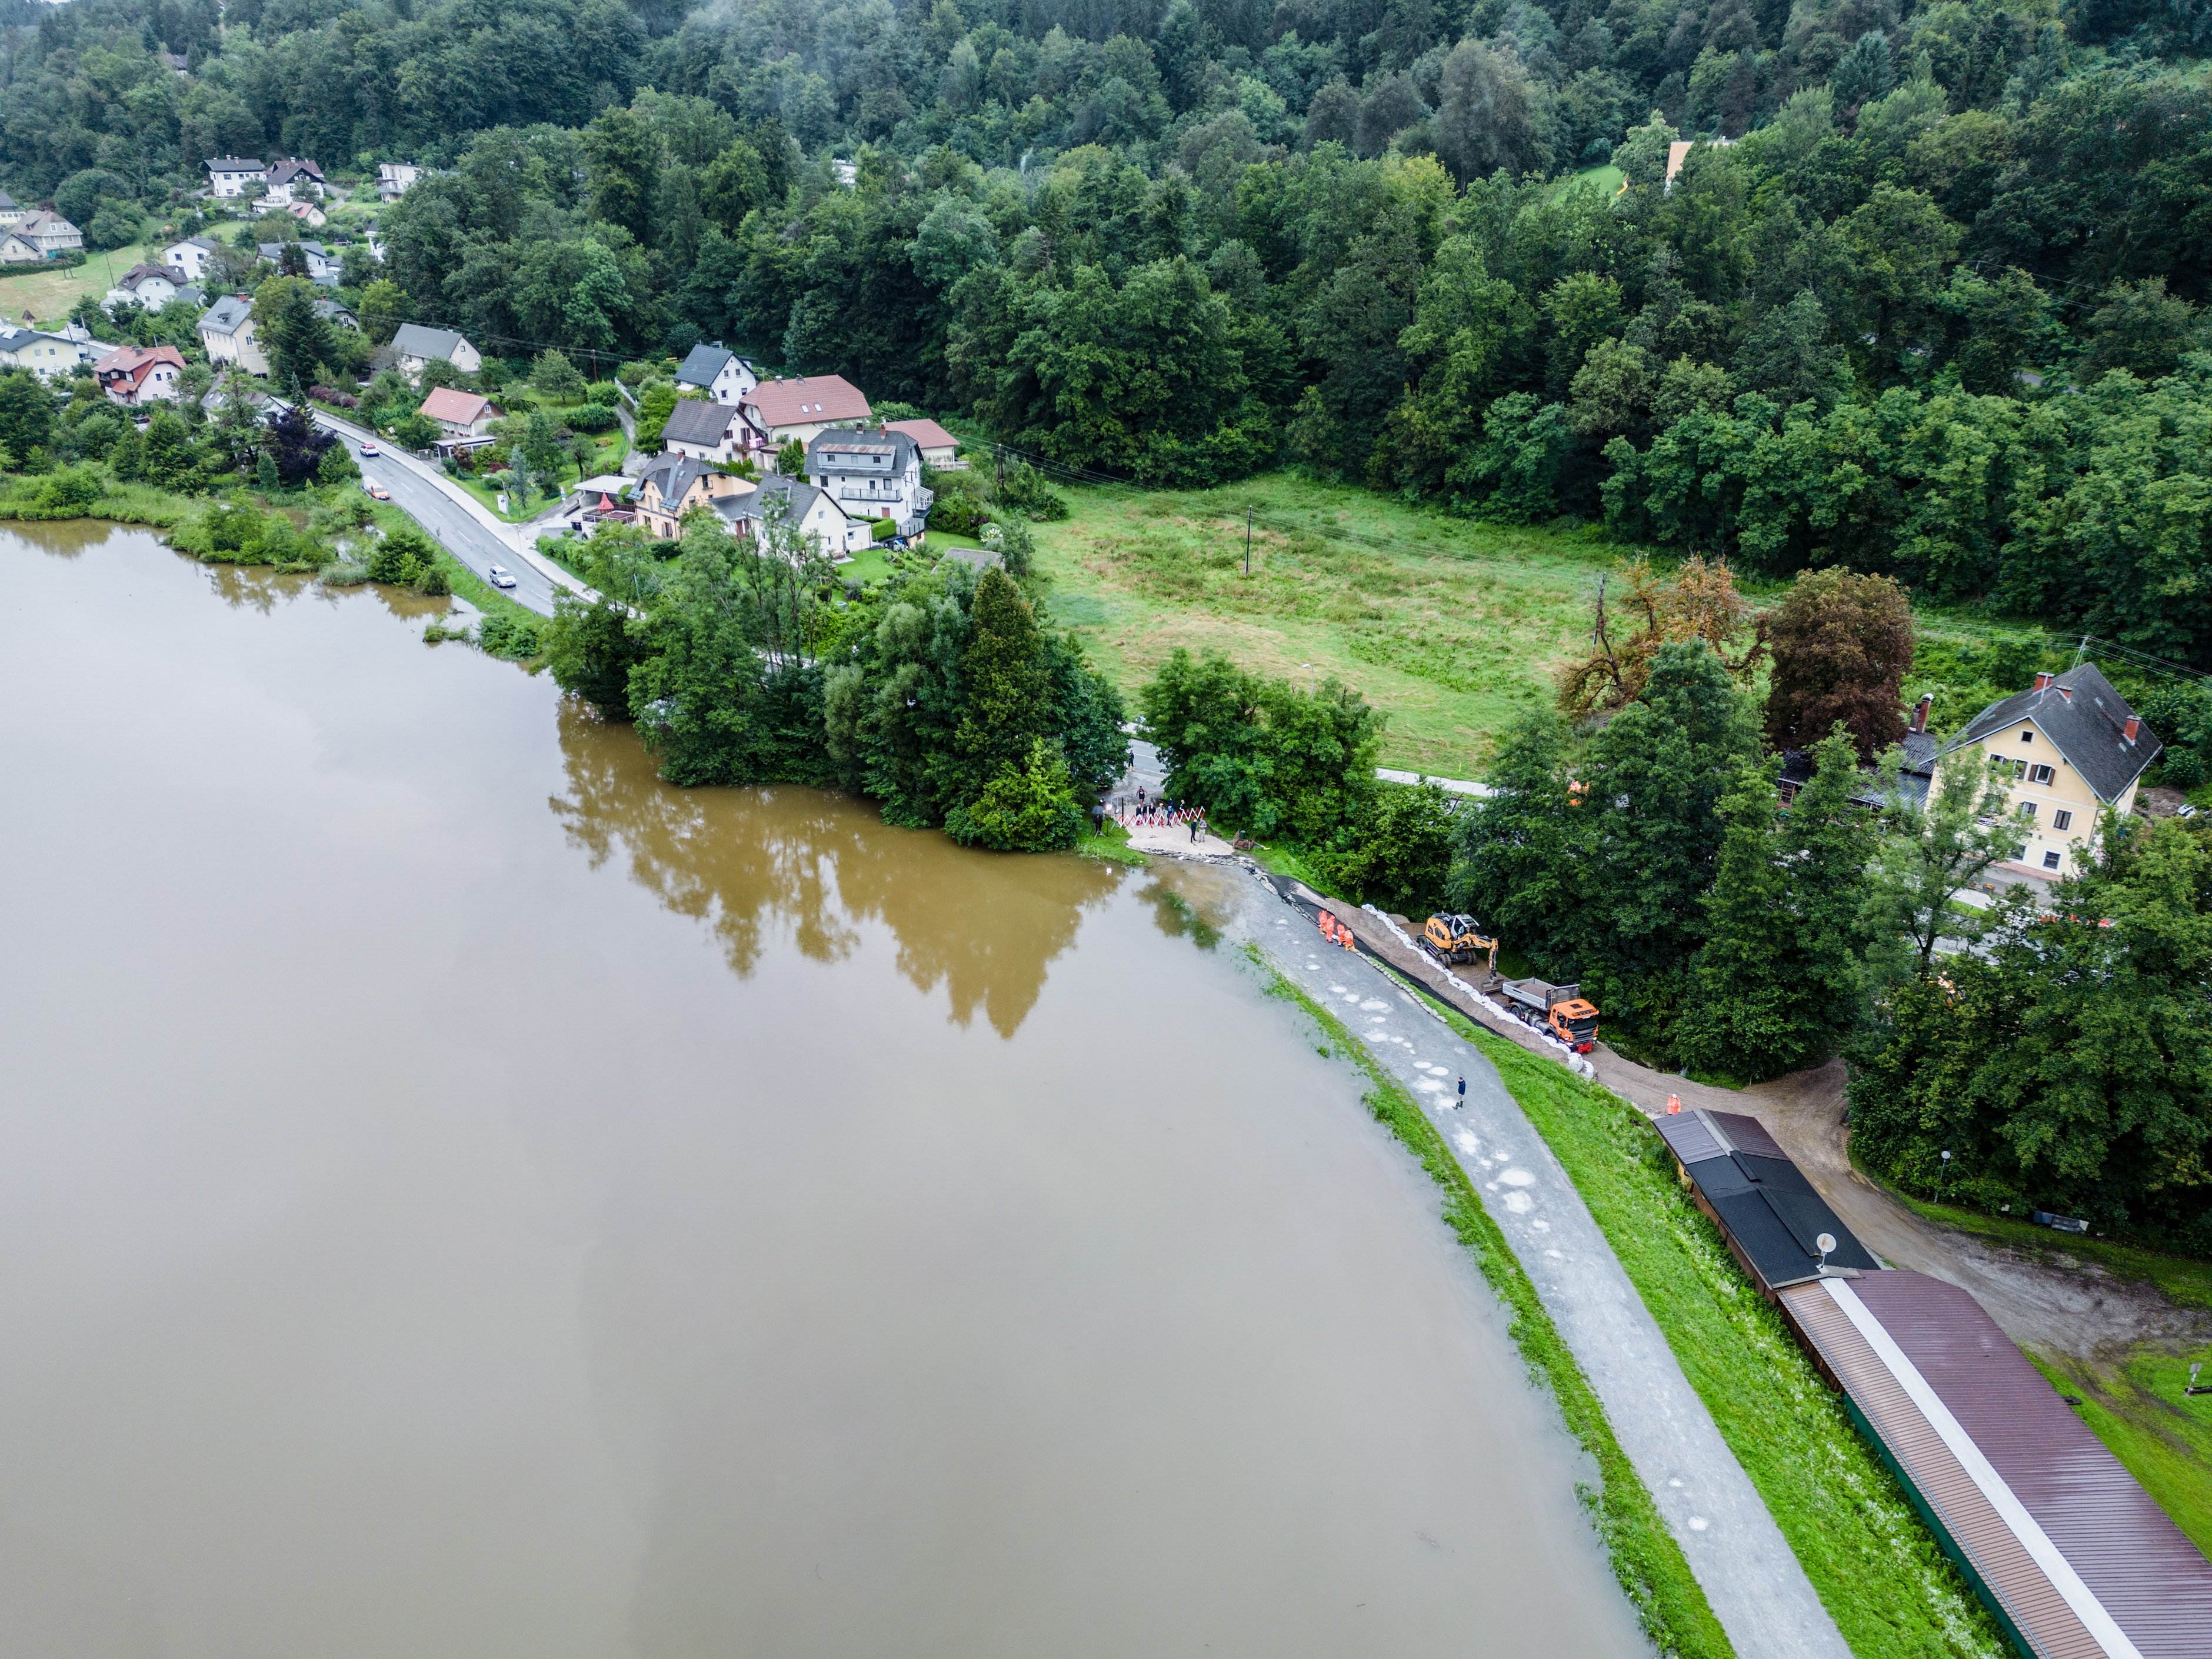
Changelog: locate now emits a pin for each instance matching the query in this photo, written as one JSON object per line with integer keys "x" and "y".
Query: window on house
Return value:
{"x": 2039, "y": 774}
{"x": 2028, "y": 736}
{"x": 2061, "y": 820}
{"x": 2027, "y": 809}
{"x": 2050, "y": 861}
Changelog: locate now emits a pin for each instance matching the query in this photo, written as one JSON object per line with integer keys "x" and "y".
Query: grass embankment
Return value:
{"x": 1877, "y": 1569}
{"x": 2134, "y": 1401}
{"x": 1646, "y": 1559}
{"x": 121, "y": 503}
{"x": 1446, "y": 624}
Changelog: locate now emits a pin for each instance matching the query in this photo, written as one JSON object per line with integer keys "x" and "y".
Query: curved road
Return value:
{"x": 459, "y": 532}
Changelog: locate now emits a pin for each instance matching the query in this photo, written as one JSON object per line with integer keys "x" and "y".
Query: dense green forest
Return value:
{"x": 1935, "y": 312}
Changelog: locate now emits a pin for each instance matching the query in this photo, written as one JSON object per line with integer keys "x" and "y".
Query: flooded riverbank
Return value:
{"x": 459, "y": 1194}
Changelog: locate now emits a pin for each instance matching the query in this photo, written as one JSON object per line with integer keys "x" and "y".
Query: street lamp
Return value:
{"x": 1946, "y": 1184}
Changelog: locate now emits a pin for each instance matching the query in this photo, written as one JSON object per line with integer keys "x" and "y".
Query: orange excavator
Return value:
{"x": 1454, "y": 937}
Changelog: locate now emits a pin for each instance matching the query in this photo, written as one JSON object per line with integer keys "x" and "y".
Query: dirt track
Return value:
{"x": 2041, "y": 1300}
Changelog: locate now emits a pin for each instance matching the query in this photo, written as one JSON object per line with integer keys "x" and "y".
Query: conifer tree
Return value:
{"x": 1518, "y": 851}
{"x": 1007, "y": 683}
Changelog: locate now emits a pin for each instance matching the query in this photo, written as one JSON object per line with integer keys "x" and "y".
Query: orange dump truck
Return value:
{"x": 1558, "y": 1009}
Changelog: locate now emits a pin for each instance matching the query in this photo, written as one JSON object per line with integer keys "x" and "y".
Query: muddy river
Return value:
{"x": 461, "y": 1197}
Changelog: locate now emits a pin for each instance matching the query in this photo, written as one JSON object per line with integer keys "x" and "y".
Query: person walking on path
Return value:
{"x": 1462, "y": 1092}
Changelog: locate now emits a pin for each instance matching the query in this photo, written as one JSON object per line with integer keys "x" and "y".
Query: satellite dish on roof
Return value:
{"x": 1828, "y": 1242}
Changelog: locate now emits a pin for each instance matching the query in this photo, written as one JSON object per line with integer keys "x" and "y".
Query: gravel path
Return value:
{"x": 1753, "y": 1579}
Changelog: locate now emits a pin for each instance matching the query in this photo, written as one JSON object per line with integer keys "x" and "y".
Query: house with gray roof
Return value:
{"x": 323, "y": 267}
{"x": 717, "y": 372}
{"x": 813, "y": 512}
{"x": 872, "y": 475}
{"x": 719, "y": 432}
{"x": 2068, "y": 749}
{"x": 416, "y": 345}
{"x": 227, "y": 333}
{"x": 231, "y": 175}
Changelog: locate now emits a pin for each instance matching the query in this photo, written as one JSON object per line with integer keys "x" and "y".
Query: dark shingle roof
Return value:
{"x": 672, "y": 476}
{"x": 2085, "y": 718}
{"x": 414, "y": 340}
{"x": 702, "y": 364}
{"x": 694, "y": 422}
{"x": 1763, "y": 1200}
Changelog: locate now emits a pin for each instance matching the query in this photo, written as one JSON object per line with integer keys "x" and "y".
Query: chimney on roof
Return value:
{"x": 1920, "y": 711}
{"x": 2134, "y": 724}
{"x": 2042, "y": 681}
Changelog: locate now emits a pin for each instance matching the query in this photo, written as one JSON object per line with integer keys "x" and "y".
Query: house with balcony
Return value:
{"x": 393, "y": 178}
{"x": 41, "y": 236}
{"x": 836, "y": 535}
{"x": 2069, "y": 747}
{"x": 133, "y": 375}
{"x": 674, "y": 484}
{"x": 872, "y": 475}
{"x": 293, "y": 180}
{"x": 800, "y": 409}
{"x": 718, "y": 433}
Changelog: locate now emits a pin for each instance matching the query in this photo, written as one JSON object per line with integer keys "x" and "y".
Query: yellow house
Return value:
{"x": 2074, "y": 748}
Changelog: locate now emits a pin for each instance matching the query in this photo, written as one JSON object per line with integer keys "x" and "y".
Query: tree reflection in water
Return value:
{"x": 984, "y": 926}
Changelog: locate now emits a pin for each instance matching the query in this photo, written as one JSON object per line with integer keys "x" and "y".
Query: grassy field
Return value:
{"x": 48, "y": 293}
{"x": 1447, "y": 624}
{"x": 1645, "y": 1557}
{"x": 1876, "y": 1568}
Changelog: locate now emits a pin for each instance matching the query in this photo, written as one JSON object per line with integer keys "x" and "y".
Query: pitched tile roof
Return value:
{"x": 226, "y": 315}
{"x": 282, "y": 172}
{"x": 454, "y": 406}
{"x": 808, "y": 400}
{"x": 926, "y": 433}
{"x": 2085, "y": 718}
{"x": 132, "y": 360}
{"x": 138, "y": 274}
{"x": 236, "y": 164}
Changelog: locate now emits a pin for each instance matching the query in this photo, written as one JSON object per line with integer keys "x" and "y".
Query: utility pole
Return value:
{"x": 1248, "y": 541}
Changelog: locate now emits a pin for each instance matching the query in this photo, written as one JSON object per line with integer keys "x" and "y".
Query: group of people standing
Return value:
{"x": 1155, "y": 812}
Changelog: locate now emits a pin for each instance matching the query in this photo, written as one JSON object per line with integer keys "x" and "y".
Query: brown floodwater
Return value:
{"x": 461, "y": 1197}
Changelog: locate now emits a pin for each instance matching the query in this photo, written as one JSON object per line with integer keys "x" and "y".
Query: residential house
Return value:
{"x": 718, "y": 373}
{"x": 1914, "y": 775}
{"x": 233, "y": 175}
{"x": 11, "y": 211}
{"x": 337, "y": 315}
{"x": 816, "y": 515}
{"x": 19, "y": 250}
{"x": 460, "y": 414}
{"x": 308, "y": 214}
{"x": 150, "y": 286}
{"x": 175, "y": 62}
{"x": 189, "y": 259}
{"x": 872, "y": 475}
{"x": 49, "y": 232}
{"x": 709, "y": 432}
{"x": 392, "y": 178}
{"x": 415, "y": 345}
{"x": 293, "y": 181}
{"x": 49, "y": 356}
{"x": 133, "y": 375}
{"x": 227, "y": 332}
{"x": 674, "y": 484}
{"x": 939, "y": 447}
{"x": 323, "y": 267}
{"x": 2072, "y": 747}
{"x": 800, "y": 409}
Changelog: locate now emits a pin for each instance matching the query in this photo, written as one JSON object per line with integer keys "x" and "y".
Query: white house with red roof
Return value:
{"x": 805, "y": 407}
{"x": 132, "y": 375}
{"x": 460, "y": 414}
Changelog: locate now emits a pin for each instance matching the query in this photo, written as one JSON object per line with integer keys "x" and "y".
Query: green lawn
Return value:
{"x": 1447, "y": 624}
{"x": 1876, "y": 1568}
{"x": 1606, "y": 177}
{"x": 48, "y": 293}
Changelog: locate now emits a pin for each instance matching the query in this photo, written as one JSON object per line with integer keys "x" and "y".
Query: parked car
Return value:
{"x": 370, "y": 450}
{"x": 501, "y": 576}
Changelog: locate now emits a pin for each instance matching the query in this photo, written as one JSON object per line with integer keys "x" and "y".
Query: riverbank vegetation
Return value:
{"x": 937, "y": 694}
{"x": 1877, "y": 1569}
{"x": 1645, "y": 1557}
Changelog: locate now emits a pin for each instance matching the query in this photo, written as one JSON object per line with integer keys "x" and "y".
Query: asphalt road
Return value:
{"x": 454, "y": 528}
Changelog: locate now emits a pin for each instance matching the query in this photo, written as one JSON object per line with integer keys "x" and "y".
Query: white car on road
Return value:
{"x": 501, "y": 576}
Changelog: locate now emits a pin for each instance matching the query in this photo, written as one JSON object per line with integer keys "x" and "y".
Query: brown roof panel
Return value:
{"x": 2154, "y": 1582}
